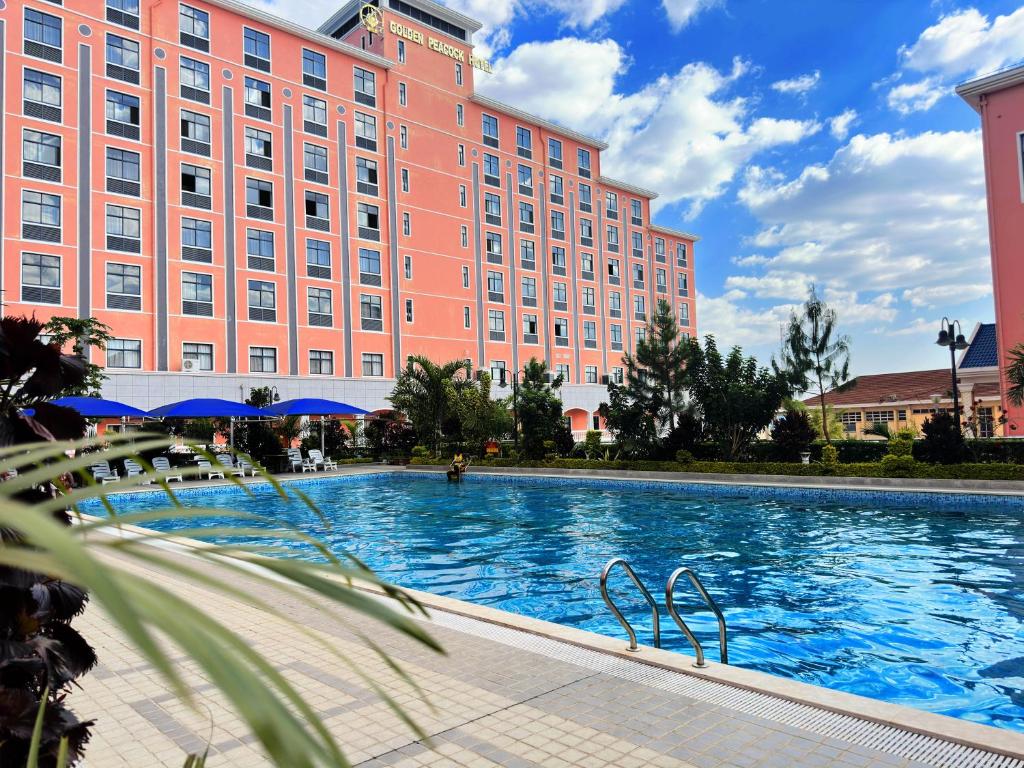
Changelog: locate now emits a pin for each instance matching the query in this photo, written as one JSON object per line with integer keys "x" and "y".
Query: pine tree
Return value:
{"x": 656, "y": 372}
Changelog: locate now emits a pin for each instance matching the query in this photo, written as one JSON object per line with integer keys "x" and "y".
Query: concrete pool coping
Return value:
{"x": 941, "y": 727}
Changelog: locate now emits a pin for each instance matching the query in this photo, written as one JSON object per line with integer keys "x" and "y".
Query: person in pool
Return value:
{"x": 458, "y": 466}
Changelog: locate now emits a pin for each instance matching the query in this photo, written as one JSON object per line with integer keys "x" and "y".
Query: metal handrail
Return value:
{"x": 618, "y": 614}
{"x": 670, "y": 586}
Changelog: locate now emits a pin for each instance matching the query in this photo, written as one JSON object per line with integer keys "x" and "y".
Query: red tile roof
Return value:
{"x": 883, "y": 388}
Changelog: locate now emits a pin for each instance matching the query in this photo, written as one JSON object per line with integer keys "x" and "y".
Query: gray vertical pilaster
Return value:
{"x": 513, "y": 254}
{"x": 478, "y": 261}
{"x": 626, "y": 276}
{"x": 599, "y": 273}
{"x": 84, "y": 182}
{"x": 545, "y": 259}
{"x": 346, "y": 267}
{"x": 396, "y": 310}
{"x": 160, "y": 198}
{"x": 230, "y": 264}
{"x": 289, "y": 246}
{"x": 3, "y": 175}
{"x": 575, "y": 289}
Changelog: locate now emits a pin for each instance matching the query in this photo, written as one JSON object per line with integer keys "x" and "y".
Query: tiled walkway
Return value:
{"x": 493, "y": 701}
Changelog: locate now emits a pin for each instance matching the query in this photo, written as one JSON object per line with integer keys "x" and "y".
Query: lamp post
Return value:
{"x": 503, "y": 382}
{"x": 951, "y": 335}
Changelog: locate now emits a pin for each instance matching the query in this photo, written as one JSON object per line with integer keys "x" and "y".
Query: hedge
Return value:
{"x": 858, "y": 469}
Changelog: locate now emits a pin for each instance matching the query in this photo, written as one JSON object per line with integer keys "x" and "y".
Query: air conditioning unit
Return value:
{"x": 189, "y": 366}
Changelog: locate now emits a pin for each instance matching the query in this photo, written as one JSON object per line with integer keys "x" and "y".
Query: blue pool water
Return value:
{"x": 909, "y": 600}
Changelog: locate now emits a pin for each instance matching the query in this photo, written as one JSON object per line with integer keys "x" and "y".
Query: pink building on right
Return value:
{"x": 999, "y": 99}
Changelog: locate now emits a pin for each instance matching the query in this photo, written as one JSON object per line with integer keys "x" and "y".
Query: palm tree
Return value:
{"x": 813, "y": 357}
{"x": 424, "y": 392}
{"x": 1015, "y": 375}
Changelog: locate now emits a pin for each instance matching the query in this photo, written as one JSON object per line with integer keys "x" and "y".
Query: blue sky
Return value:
{"x": 802, "y": 141}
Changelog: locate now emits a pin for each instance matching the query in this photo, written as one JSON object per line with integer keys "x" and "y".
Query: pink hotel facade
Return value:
{"x": 247, "y": 202}
{"x": 999, "y": 99}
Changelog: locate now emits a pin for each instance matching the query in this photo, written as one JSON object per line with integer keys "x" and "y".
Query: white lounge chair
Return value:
{"x": 206, "y": 468}
{"x": 246, "y": 466}
{"x": 133, "y": 469}
{"x": 102, "y": 473}
{"x": 229, "y": 465}
{"x": 296, "y": 459}
{"x": 318, "y": 460}
{"x": 163, "y": 464}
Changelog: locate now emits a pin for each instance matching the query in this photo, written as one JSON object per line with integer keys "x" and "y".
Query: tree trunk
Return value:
{"x": 824, "y": 416}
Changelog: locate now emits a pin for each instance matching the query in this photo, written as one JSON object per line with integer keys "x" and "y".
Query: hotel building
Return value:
{"x": 247, "y": 202}
{"x": 999, "y": 99}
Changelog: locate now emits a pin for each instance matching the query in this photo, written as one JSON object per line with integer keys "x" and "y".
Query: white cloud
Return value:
{"x": 917, "y": 97}
{"x": 683, "y": 134}
{"x": 584, "y": 13}
{"x": 966, "y": 42}
{"x": 798, "y": 86}
{"x": 946, "y": 295}
{"x": 839, "y": 126}
{"x": 682, "y": 12}
{"x": 773, "y": 285}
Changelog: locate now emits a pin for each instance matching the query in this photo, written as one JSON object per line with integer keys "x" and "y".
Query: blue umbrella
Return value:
{"x": 98, "y": 408}
{"x": 313, "y": 406}
{"x": 205, "y": 407}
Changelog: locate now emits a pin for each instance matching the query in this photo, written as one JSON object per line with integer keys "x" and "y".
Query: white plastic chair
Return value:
{"x": 318, "y": 459}
{"x": 229, "y": 465}
{"x": 297, "y": 460}
{"x": 246, "y": 466}
{"x": 208, "y": 469}
{"x": 163, "y": 464}
{"x": 102, "y": 473}
{"x": 133, "y": 469}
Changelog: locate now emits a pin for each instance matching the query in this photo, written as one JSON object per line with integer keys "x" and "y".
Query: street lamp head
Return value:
{"x": 961, "y": 342}
{"x": 943, "y": 340}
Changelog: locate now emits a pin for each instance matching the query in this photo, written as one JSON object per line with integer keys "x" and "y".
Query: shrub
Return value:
{"x": 420, "y": 451}
{"x": 830, "y": 459}
{"x": 899, "y": 465}
{"x": 943, "y": 441}
{"x": 684, "y": 457}
{"x": 900, "y": 447}
{"x": 792, "y": 434}
{"x": 592, "y": 444}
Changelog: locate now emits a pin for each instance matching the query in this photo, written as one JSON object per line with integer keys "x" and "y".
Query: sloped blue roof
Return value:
{"x": 982, "y": 352}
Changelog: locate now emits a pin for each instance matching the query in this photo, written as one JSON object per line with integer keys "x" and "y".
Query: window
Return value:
{"x": 659, "y": 248}
{"x": 405, "y": 179}
{"x": 590, "y": 374}
{"x": 588, "y": 297}
{"x": 257, "y": 49}
{"x": 491, "y": 170}
{"x": 257, "y": 98}
{"x": 40, "y": 278}
{"x": 262, "y": 359}
{"x": 526, "y": 179}
{"x": 616, "y": 335}
{"x": 529, "y": 288}
{"x": 368, "y": 217}
{"x": 615, "y": 302}
{"x": 371, "y": 312}
{"x": 611, "y": 204}
{"x": 314, "y": 69}
{"x": 526, "y": 217}
{"x": 879, "y": 417}
{"x": 587, "y": 265}
{"x": 373, "y": 364}
{"x": 42, "y": 95}
{"x": 195, "y": 76}
{"x": 314, "y": 115}
{"x": 613, "y": 237}
{"x": 407, "y": 267}
{"x": 259, "y": 145}
{"x": 321, "y": 315}
{"x": 465, "y": 236}
{"x": 262, "y": 301}
{"x": 638, "y": 275}
{"x": 458, "y": 73}
{"x": 558, "y": 259}
{"x": 259, "y": 248}
{"x": 122, "y": 115}
{"x": 123, "y": 171}
{"x": 123, "y": 12}
{"x": 366, "y": 131}
{"x": 403, "y": 95}
{"x": 40, "y": 216}
{"x": 561, "y": 328}
{"x": 682, "y": 281}
{"x": 492, "y": 208}
{"x": 638, "y": 245}
{"x": 318, "y": 206}
{"x": 462, "y": 155}
{"x": 849, "y": 420}
{"x": 495, "y": 284}
{"x": 196, "y": 294}
{"x": 583, "y": 162}
{"x": 641, "y": 334}
{"x": 366, "y": 176}
{"x": 465, "y": 277}
{"x": 557, "y": 190}
{"x": 194, "y": 27}
{"x": 684, "y": 314}
{"x": 636, "y": 212}
{"x": 558, "y": 224}
{"x": 681, "y": 255}
{"x": 555, "y": 153}
{"x": 496, "y": 321}
{"x": 196, "y": 240}
{"x": 259, "y": 195}
{"x": 617, "y": 375}
{"x": 124, "y": 353}
{"x": 498, "y": 372}
{"x": 124, "y": 229}
{"x": 408, "y": 310}
{"x": 559, "y": 293}
{"x": 586, "y": 198}
{"x": 613, "y": 268}
{"x": 401, "y": 51}
{"x": 460, "y": 115}
{"x": 465, "y": 317}
{"x": 530, "y": 328}
{"x": 124, "y": 286}
{"x": 660, "y": 280}
{"x": 562, "y": 371}
{"x": 43, "y": 35}
{"x": 369, "y": 267}
{"x": 122, "y": 58}
{"x": 527, "y": 253}
{"x": 195, "y": 131}
{"x": 462, "y": 195}
{"x": 490, "y": 130}
{"x": 407, "y": 224}
{"x": 493, "y": 247}
{"x": 524, "y": 142}
{"x": 639, "y": 307}
{"x": 200, "y": 354}
{"x": 41, "y": 153}
{"x": 587, "y": 231}
{"x": 314, "y": 163}
{"x": 321, "y": 362}
{"x": 365, "y": 85}
{"x": 318, "y": 258}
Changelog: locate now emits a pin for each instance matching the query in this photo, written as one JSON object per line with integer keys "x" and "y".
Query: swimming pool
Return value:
{"x": 917, "y": 601}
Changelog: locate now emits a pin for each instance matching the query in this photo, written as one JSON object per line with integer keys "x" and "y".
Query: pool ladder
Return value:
{"x": 670, "y": 587}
